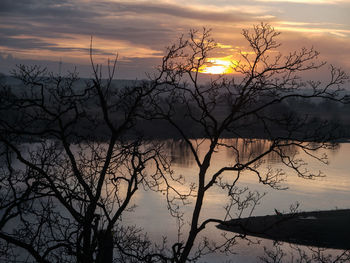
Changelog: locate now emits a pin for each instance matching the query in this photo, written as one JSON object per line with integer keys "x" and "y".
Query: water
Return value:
{"x": 330, "y": 192}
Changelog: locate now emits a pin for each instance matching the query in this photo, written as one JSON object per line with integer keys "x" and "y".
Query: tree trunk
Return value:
{"x": 105, "y": 247}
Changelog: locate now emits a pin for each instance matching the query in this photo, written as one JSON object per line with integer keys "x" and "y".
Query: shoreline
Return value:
{"x": 326, "y": 229}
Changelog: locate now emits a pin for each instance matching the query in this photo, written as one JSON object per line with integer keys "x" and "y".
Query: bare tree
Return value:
{"x": 243, "y": 107}
{"x": 71, "y": 162}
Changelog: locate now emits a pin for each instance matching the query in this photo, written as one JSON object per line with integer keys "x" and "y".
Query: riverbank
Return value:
{"x": 326, "y": 229}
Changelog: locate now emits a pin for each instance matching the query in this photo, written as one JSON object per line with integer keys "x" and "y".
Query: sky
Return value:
{"x": 45, "y": 32}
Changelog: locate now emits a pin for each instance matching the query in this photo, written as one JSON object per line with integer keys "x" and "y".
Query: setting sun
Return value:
{"x": 218, "y": 66}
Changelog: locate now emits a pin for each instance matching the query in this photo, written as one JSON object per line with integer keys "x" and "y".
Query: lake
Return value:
{"x": 324, "y": 193}
{"x": 329, "y": 192}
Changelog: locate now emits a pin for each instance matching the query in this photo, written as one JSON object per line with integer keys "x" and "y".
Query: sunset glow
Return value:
{"x": 46, "y": 32}
{"x": 218, "y": 66}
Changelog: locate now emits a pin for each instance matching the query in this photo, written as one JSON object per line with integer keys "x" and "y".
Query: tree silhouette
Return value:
{"x": 64, "y": 186}
{"x": 240, "y": 107}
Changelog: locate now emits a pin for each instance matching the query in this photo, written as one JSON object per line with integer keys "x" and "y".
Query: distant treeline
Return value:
{"x": 317, "y": 114}
{"x": 322, "y": 114}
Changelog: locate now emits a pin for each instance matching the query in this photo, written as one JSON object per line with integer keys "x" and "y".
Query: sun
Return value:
{"x": 218, "y": 66}
{"x": 214, "y": 70}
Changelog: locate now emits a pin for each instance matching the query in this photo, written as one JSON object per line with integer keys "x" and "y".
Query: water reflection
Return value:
{"x": 320, "y": 194}
{"x": 231, "y": 151}
{"x": 180, "y": 152}
{"x": 247, "y": 149}
{"x": 324, "y": 193}
{"x": 235, "y": 149}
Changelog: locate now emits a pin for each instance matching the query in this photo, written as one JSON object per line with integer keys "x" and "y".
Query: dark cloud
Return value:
{"x": 69, "y": 9}
{"x": 50, "y": 21}
{"x": 37, "y": 44}
{"x": 141, "y": 23}
{"x": 176, "y": 11}
{"x": 44, "y": 8}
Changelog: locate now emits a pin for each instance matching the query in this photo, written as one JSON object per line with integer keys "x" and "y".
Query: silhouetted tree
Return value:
{"x": 64, "y": 186}
{"x": 239, "y": 107}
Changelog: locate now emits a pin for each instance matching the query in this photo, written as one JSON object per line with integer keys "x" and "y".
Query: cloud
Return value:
{"x": 134, "y": 29}
{"x": 332, "y": 50}
{"x": 313, "y": 28}
{"x": 139, "y": 30}
{"x": 44, "y": 8}
{"x": 107, "y": 18}
{"x": 187, "y": 12}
